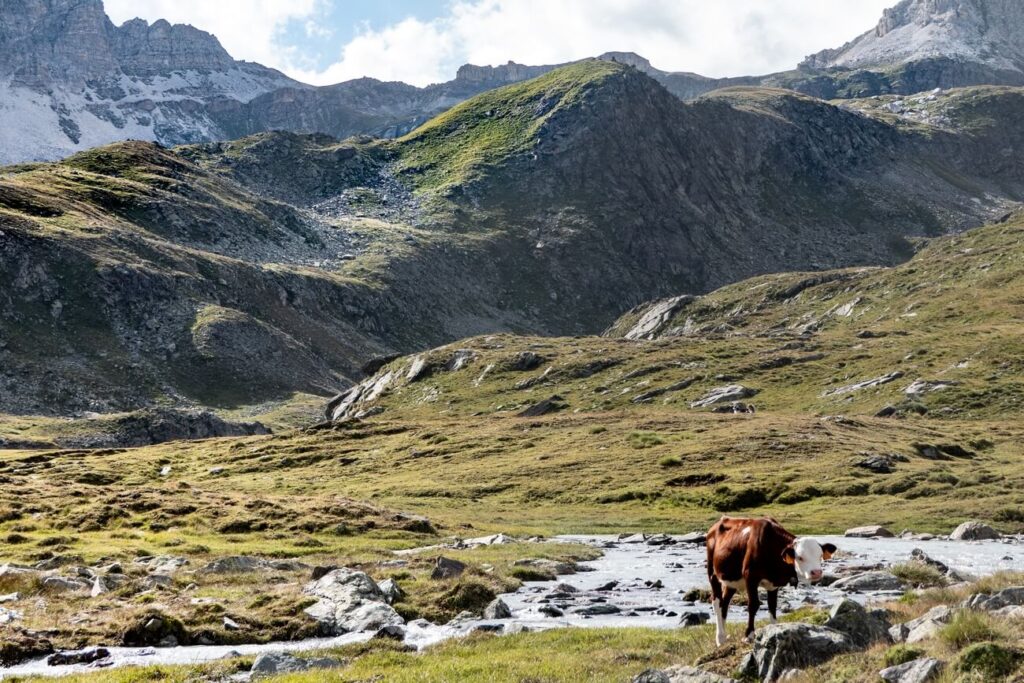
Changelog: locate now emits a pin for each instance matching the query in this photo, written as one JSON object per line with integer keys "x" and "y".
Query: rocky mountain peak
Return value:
{"x": 629, "y": 59}
{"x": 149, "y": 49}
{"x": 510, "y": 72}
{"x": 988, "y": 32}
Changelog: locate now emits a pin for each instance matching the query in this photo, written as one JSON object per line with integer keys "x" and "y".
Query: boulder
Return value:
{"x": 916, "y": 671}
{"x": 780, "y": 647}
{"x": 597, "y": 609}
{"x": 680, "y": 674}
{"x": 1008, "y": 597}
{"x": 879, "y": 464}
{"x": 698, "y": 537}
{"x": 274, "y": 663}
{"x": 497, "y": 610}
{"x": 61, "y": 584}
{"x": 869, "y": 582}
{"x": 446, "y": 568}
{"x": 974, "y": 531}
{"x": 550, "y": 611}
{"x": 87, "y": 656}
{"x": 391, "y": 632}
{"x": 862, "y": 627}
{"x": 389, "y": 587}
{"x": 349, "y": 601}
{"x": 693, "y": 618}
{"x": 726, "y": 394}
{"x": 922, "y": 628}
{"x": 873, "y": 531}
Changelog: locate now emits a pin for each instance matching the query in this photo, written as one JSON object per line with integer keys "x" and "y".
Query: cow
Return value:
{"x": 747, "y": 554}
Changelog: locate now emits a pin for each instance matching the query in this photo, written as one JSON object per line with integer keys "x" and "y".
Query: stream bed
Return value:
{"x": 649, "y": 585}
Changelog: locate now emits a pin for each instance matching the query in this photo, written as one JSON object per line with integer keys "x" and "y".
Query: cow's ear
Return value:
{"x": 827, "y": 551}
{"x": 789, "y": 555}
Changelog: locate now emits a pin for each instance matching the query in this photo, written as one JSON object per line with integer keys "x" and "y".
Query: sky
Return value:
{"x": 425, "y": 41}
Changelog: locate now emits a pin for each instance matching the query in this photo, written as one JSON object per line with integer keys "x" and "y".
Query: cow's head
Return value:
{"x": 806, "y": 555}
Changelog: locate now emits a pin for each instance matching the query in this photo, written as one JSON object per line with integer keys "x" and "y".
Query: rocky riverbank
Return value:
{"x": 649, "y": 581}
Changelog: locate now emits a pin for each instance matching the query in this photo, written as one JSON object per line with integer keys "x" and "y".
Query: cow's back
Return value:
{"x": 732, "y": 540}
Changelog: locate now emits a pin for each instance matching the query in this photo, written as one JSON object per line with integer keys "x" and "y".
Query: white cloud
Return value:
{"x": 711, "y": 37}
{"x": 719, "y": 38}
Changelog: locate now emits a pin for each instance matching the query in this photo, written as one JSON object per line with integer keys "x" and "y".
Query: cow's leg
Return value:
{"x": 753, "y": 603}
{"x": 724, "y": 609}
{"x": 717, "y": 598}
{"x": 773, "y": 604}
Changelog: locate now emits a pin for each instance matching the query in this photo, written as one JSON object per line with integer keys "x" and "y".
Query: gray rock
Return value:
{"x": 726, "y": 394}
{"x": 389, "y": 587}
{"x": 349, "y": 601}
{"x": 917, "y": 671}
{"x": 87, "y": 656}
{"x": 869, "y": 582}
{"x": 1008, "y": 597}
{"x": 974, "y": 531}
{"x": 780, "y": 647}
{"x": 877, "y": 381}
{"x": 922, "y": 628}
{"x": 693, "y": 618}
{"x": 693, "y": 537}
{"x": 879, "y": 464}
{"x": 862, "y": 627}
{"x": 597, "y": 609}
{"x": 274, "y": 663}
{"x": 497, "y": 610}
{"x": 550, "y": 611}
{"x": 875, "y": 531}
{"x": 162, "y": 564}
{"x": 447, "y": 568}
{"x": 65, "y": 585}
{"x": 245, "y": 563}
{"x": 390, "y": 632}
{"x": 680, "y": 674}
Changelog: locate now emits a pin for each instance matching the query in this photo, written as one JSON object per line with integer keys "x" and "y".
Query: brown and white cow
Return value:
{"x": 747, "y": 554}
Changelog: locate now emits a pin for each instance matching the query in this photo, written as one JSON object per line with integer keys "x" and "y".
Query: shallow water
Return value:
{"x": 678, "y": 567}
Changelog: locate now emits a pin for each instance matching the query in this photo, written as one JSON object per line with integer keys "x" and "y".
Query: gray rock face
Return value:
{"x": 862, "y": 627}
{"x": 918, "y": 671}
{"x": 974, "y": 531}
{"x": 986, "y": 32}
{"x": 349, "y": 601}
{"x": 780, "y": 647}
{"x": 870, "y": 581}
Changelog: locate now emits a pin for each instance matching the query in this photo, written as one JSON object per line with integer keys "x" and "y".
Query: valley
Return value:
{"x": 397, "y": 378}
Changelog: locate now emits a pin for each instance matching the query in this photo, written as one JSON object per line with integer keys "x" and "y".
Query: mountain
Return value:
{"x": 71, "y": 80}
{"x": 983, "y": 32}
{"x": 229, "y": 274}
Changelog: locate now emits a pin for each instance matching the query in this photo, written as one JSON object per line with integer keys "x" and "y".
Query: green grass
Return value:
{"x": 969, "y": 626}
{"x": 463, "y": 143}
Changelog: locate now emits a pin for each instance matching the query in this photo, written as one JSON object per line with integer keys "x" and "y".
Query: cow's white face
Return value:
{"x": 806, "y": 555}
